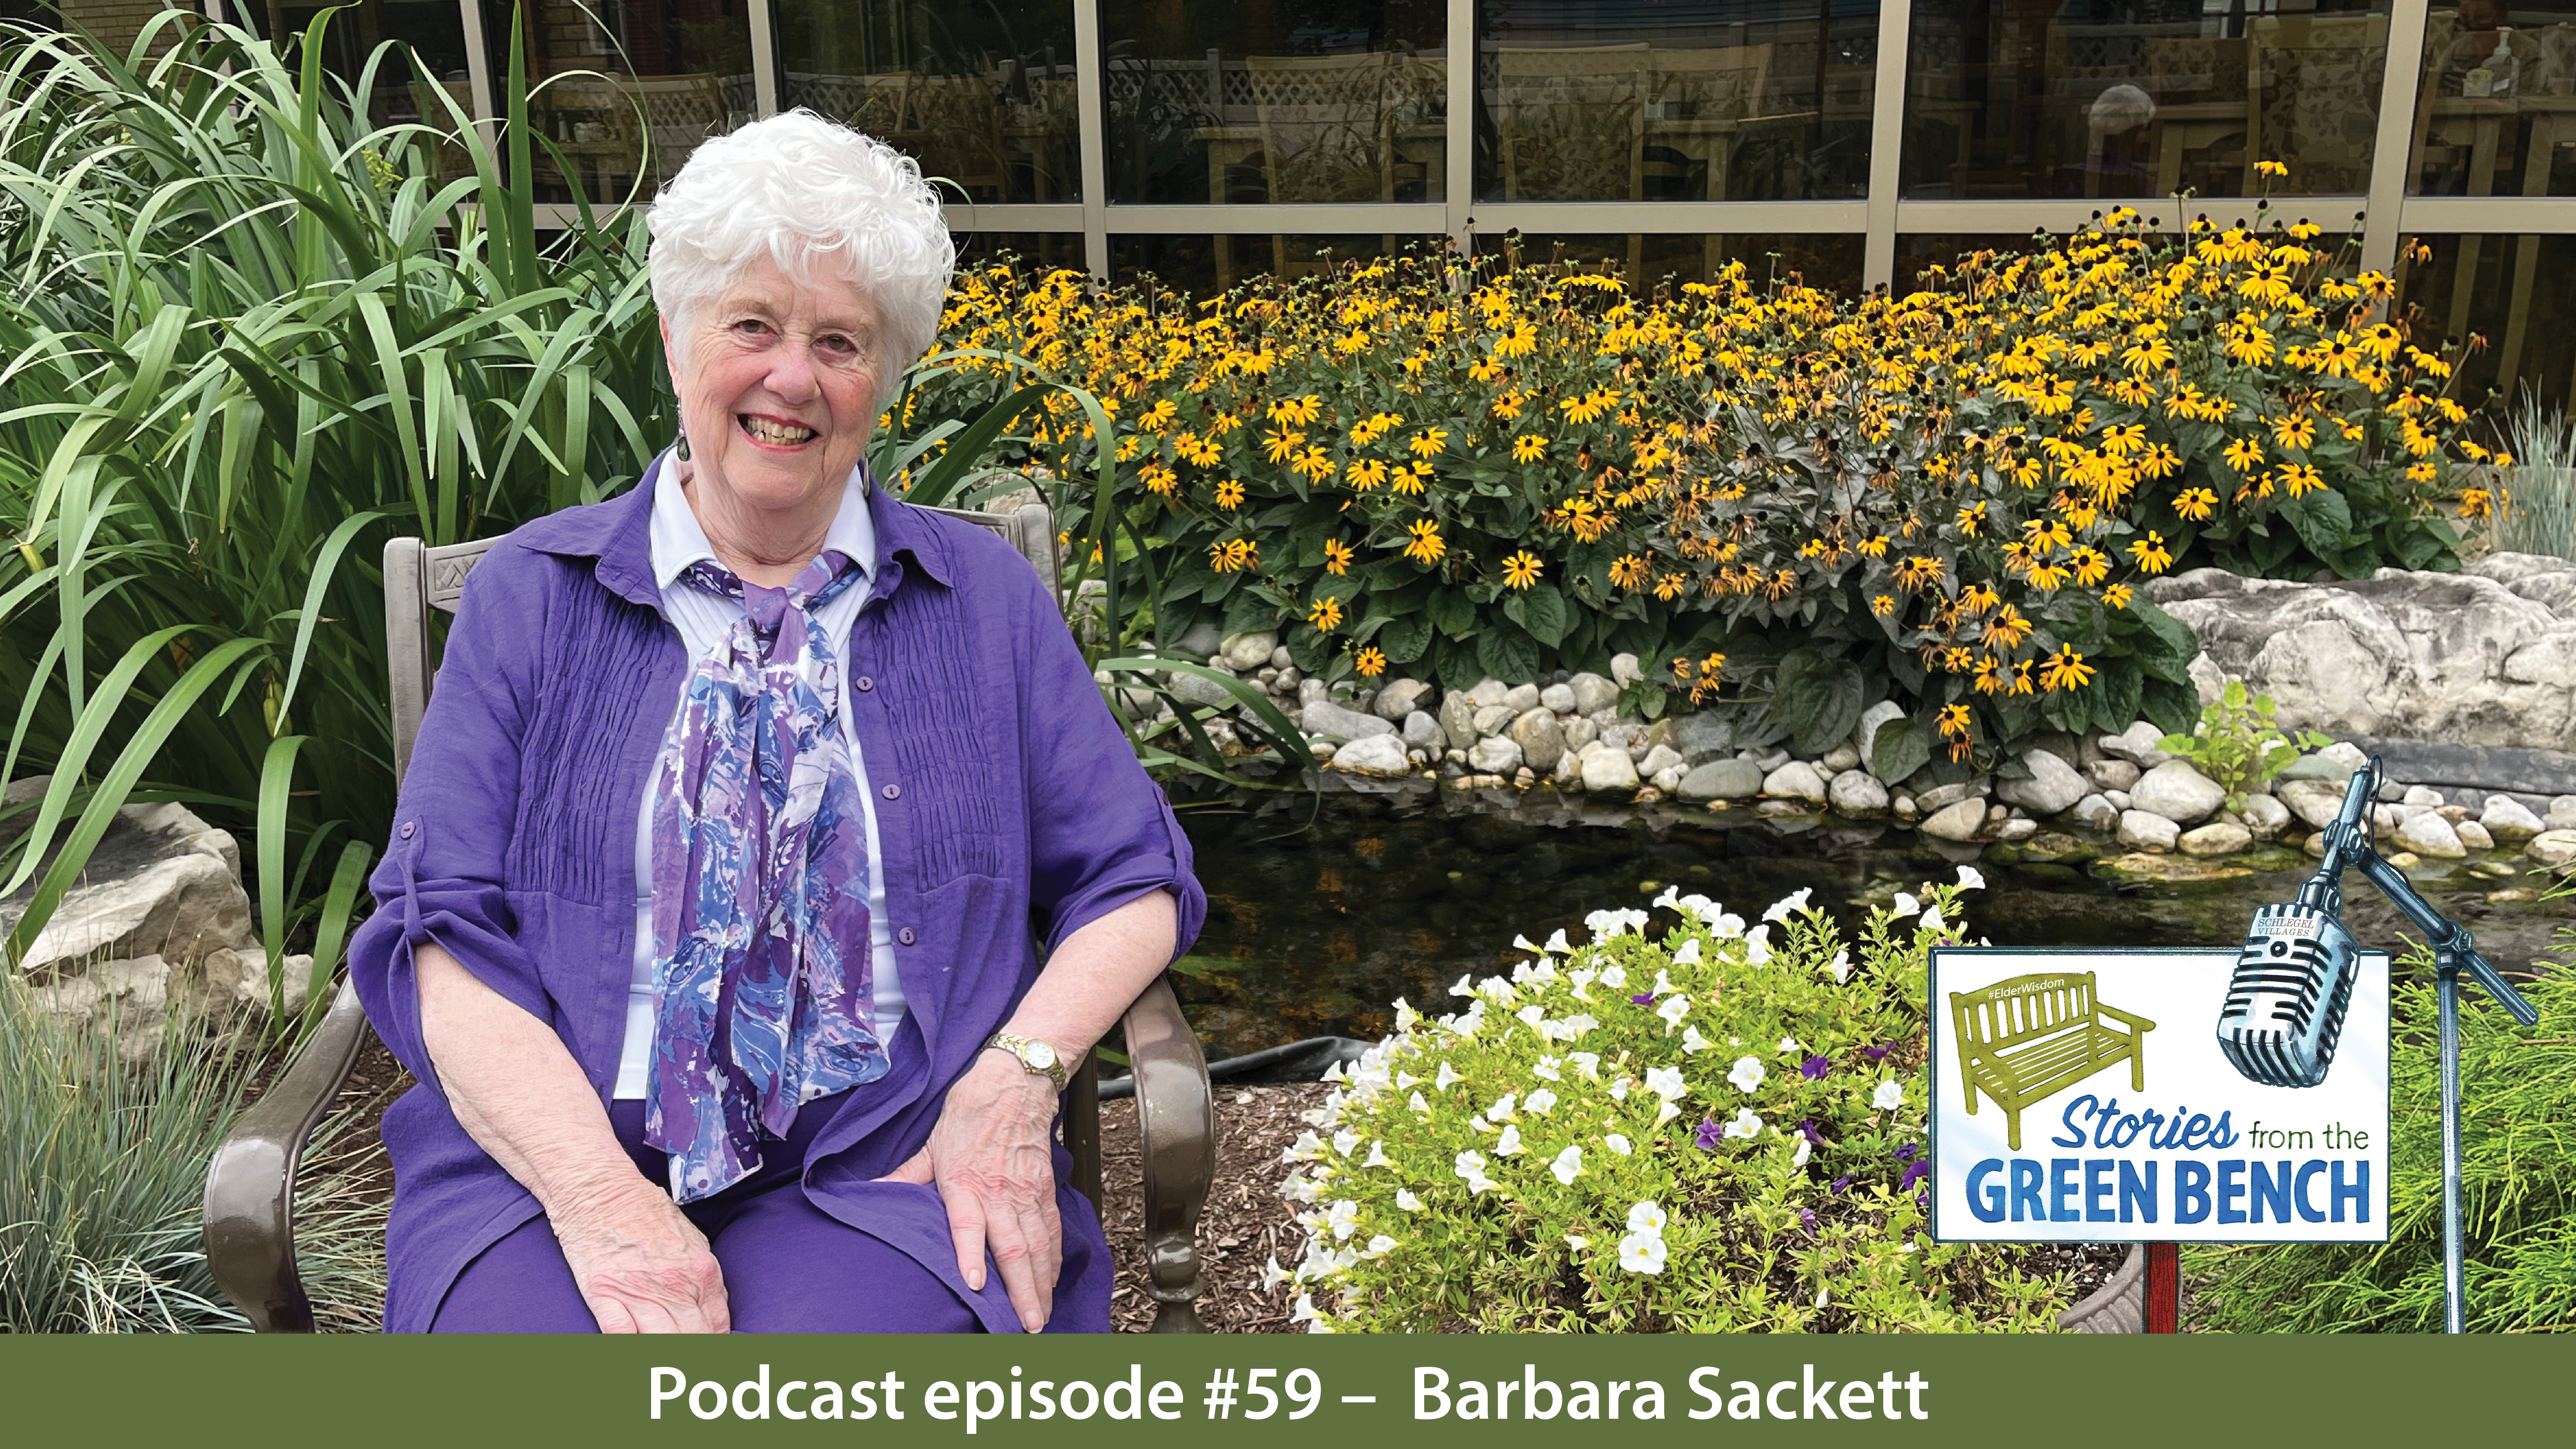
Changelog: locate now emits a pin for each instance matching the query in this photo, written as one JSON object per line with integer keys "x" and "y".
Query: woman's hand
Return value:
{"x": 992, "y": 1157}
{"x": 640, "y": 1264}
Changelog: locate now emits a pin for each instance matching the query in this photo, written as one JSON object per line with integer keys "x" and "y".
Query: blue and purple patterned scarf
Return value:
{"x": 760, "y": 897}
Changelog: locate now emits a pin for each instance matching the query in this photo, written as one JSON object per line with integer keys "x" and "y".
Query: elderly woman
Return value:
{"x": 768, "y": 855}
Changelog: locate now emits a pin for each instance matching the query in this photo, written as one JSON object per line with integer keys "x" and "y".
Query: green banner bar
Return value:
{"x": 1136, "y": 1391}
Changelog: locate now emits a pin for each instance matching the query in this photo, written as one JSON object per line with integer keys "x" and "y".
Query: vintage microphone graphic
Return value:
{"x": 2293, "y": 979}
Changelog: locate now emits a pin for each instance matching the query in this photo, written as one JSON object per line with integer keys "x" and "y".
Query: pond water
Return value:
{"x": 1315, "y": 931}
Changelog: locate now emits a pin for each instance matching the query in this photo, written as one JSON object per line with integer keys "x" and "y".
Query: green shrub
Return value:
{"x": 2518, "y": 1135}
{"x": 1710, "y": 1131}
{"x": 2237, "y": 746}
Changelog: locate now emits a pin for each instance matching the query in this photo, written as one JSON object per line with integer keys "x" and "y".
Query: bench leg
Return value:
{"x": 2138, "y": 1067}
{"x": 2012, "y": 1123}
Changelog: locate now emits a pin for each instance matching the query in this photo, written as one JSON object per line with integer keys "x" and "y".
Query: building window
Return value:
{"x": 2141, "y": 98}
{"x": 625, "y": 89}
{"x": 981, "y": 95}
{"x": 2492, "y": 288}
{"x": 2496, "y": 112}
{"x": 1650, "y": 101}
{"x": 1262, "y": 101}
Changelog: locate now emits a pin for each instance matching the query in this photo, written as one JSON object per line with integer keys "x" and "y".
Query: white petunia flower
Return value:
{"x": 1688, "y": 955}
{"x": 1641, "y": 1253}
{"x": 1665, "y": 1082}
{"x": 1578, "y": 1244}
{"x": 1693, "y": 1042}
{"x": 1540, "y": 1101}
{"x": 1404, "y": 1080}
{"x": 1448, "y": 1077}
{"x": 1464, "y": 986}
{"x": 1532, "y": 1016}
{"x": 1343, "y": 1219}
{"x": 1502, "y": 1111}
{"x": 1509, "y": 1142}
{"x": 1522, "y": 942}
{"x": 1841, "y": 967}
{"x": 1272, "y": 1275}
{"x": 1757, "y": 945}
{"x": 1788, "y": 905}
{"x": 1889, "y": 1096}
{"x": 1305, "y": 1312}
{"x": 1646, "y": 1217}
{"x": 1582, "y": 977}
{"x": 1672, "y": 1010}
{"x": 1932, "y": 920}
{"x": 1745, "y": 1124}
{"x": 1665, "y": 1113}
{"x": 1344, "y": 1141}
{"x": 1905, "y": 904}
{"x": 1747, "y": 1074}
{"x": 1615, "y": 976}
{"x": 1970, "y": 880}
{"x": 1557, "y": 943}
{"x": 1619, "y": 1088}
{"x": 1790, "y": 1044}
{"x": 1379, "y": 1247}
{"x": 1672, "y": 894}
{"x": 1546, "y": 1070}
{"x": 1307, "y": 1146}
{"x": 1588, "y": 1063}
{"x": 1568, "y": 1163}
{"x": 1405, "y": 1199}
{"x": 1805, "y": 1148}
{"x": 1617, "y": 1143}
{"x": 1420, "y": 1107}
{"x": 1377, "y": 1155}
{"x": 1664, "y": 984}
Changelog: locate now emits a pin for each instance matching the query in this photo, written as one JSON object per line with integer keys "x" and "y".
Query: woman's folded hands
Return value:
{"x": 639, "y": 1262}
{"x": 991, "y": 1157}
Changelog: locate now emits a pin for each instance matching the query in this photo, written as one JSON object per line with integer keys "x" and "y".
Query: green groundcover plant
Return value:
{"x": 1718, "y": 1129}
{"x": 2518, "y": 1135}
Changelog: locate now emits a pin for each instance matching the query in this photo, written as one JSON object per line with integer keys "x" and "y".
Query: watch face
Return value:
{"x": 1040, "y": 1055}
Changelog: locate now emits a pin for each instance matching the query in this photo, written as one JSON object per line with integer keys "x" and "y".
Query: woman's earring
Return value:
{"x": 684, "y": 447}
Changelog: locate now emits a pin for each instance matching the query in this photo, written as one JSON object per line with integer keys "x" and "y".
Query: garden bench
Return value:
{"x": 2020, "y": 1040}
{"x": 250, "y": 1185}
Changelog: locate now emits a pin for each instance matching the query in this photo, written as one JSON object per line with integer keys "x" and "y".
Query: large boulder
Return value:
{"x": 1960, "y": 820}
{"x": 1323, "y": 717}
{"x": 2144, "y": 830}
{"x": 2053, "y": 785}
{"x": 1540, "y": 738}
{"x": 2482, "y": 657}
{"x": 2315, "y": 802}
{"x": 1856, "y": 793}
{"x": 1607, "y": 770}
{"x": 1373, "y": 755}
{"x": 1721, "y": 780}
{"x": 1703, "y": 737}
{"x": 2177, "y": 792}
{"x": 1796, "y": 780}
{"x": 1496, "y": 756}
{"x": 1400, "y": 698}
{"x": 1249, "y": 650}
{"x": 160, "y": 882}
{"x": 1593, "y": 693}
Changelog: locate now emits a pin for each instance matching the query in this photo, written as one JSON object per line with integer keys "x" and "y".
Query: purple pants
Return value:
{"x": 788, "y": 1266}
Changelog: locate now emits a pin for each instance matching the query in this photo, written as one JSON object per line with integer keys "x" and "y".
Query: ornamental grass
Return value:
{"x": 1790, "y": 502}
{"x": 1710, "y": 1127}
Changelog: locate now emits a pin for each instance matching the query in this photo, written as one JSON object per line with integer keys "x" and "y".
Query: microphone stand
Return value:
{"x": 2348, "y": 845}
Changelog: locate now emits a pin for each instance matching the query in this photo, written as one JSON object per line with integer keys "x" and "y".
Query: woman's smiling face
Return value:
{"x": 779, "y": 386}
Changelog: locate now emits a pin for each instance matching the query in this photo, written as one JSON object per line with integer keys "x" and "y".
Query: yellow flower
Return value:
{"x": 1629, "y": 572}
{"x": 2066, "y": 669}
{"x": 1234, "y": 554}
{"x": 1425, "y": 546}
{"x": 1312, "y": 464}
{"x": 1883, "y": 605}
{"x": 1229, "y": 494}
{"x": 2009, "y": 628}
{"x": 1281, "y": 446}
{"x": 1528, "y": 448}
{"x": 2195, "y": 504}
{"x": 1521, "y": 570}
{"x": 2092, "y": 565}
{"x": 1326, "y": 615}
{"x": 2245, "y": 455}
{"x": 1370, "y": 662}
{"x": 1972, "y": 518}
{"x": 2297, "y": 430}
{"x": 2151, "y": 554}
{"x": 1367, "y": 473}
{"x": 1297, "y": 412}
{"x": 1337, "y": 556}
{"x": 1428, "y": 442}
{"x": 2478, "y": 503}
{"x": 2118, "y": 596}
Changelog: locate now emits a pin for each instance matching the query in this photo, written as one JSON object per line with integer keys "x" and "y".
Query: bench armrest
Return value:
{"x": 2135, "y": 1021}
{"x": 1176, "y": 1128}
{"x": 250, "y": 1185}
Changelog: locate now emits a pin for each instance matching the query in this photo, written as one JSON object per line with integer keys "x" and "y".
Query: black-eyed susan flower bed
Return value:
{"x": 1687, "y": 1123}
{"x": 1775, "y": 495}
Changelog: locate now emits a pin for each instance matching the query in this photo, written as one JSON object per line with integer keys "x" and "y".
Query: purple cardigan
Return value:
{"x": 1011, "y": 813}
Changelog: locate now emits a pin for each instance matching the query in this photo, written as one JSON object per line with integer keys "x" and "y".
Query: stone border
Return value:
{"x": 2119, "y": 1305}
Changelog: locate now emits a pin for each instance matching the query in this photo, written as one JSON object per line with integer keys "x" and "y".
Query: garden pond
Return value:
{"x": 1314, "y": 929}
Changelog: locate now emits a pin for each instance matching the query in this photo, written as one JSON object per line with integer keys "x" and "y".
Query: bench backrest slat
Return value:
{"x": 2023, "y": 1008}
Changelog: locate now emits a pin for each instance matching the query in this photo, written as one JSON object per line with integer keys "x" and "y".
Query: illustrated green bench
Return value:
{"x": 2020, "y": 1040}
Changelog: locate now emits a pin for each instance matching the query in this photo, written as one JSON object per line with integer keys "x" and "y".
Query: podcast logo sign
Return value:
{"x": 2081, "y": 1096}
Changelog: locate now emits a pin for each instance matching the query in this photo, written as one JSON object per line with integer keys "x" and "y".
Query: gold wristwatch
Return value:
{"x": 1034, "y": 1056}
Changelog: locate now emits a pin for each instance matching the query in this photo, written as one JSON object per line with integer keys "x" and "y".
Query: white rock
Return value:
{"x": 1492, "y": 719}
{"x": 1840, "y": 758}
{"x": 1496, "y": 756}
{"x": 1625, "y": 670}
{"x": 1557, "y": 699}
{"x": 2509, "y": 820}
{"x": 2095, "y": 812}
{"x": 1669, "y": 779}
{"x": 2423, "y": 795}
{"x": 1323, "y": 717}
{"x": 2264, "y": 817}
{"x": 1865, "y": 736}
{"x": 2552, "y": 847}
{"x": 2562, "y": 812}
{"x": 2427, "y": 833}
{"x": 2315, "y": 802}
{"x": 1422, "y": 732}
{"x": 1569, "y": 769}
{"x": 1374, "y": 755}
{"x": 1593, "y": 693}
{"x": 2474, "y": 836}
{"x": 2177, "y": 792}
{"x": 2107, "y": 774}
{"x": 1540, "y": 738}
{"x": 1660, "y": 758}
{"x": 2148, "y": 831}
{"x": 1400, "y": 698}
{"x": 1608, "y": 770}
{"x": 2015, "y": 831}
{"x": 1721, "y": 780}
{"x": 2119, "y": 799}
{"x": 1521, "y": 698}
{"x": 1795, "y": 780}
{"x": 161, "y": 882}
{"x": 1942, "y": 797}
{"x": 2137, "y": 745}
{"x": 1248, "y": 651}
{"x": 1959, "y": 820}
{"x": 2053, "y": 785}
{"x": 1857, "y": 793}
{"x": 1580, "y": 732}
{"x": 2218, "y": 837}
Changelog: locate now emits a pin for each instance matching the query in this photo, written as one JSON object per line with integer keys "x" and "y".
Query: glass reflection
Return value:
{"x": 1832, "y": 262}
{"x": 1267, "y": 101}
{"x": 1207, "y": 266}
{"x": 1741, "y": 100}
{"x": 2493, "y": 287}
{"x": 2141, "y": 98}
{"x": 982, "y": 96}
{"x": 2496, "y": 111}
{"x": 625, "y": 89}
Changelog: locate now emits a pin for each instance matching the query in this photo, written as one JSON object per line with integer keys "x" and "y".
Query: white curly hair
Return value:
{"x": 819, "y": 198}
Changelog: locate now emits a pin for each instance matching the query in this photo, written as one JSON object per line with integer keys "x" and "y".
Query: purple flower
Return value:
{"x": 1840, "y": 1183}
{"x": 1807, "y": 1219}
{"x": 1643, "y": 998}
{"x": 1709, "y": 1135}
{"x": 1814, "y": 1068}
{"x": 1923, "y": 1199}
{"x": 1807, "y": 1129}
{"x": 1876, "y": 1052}
{"x": 1915, "y": 1172}
{"x": 1906, "y": 1152}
